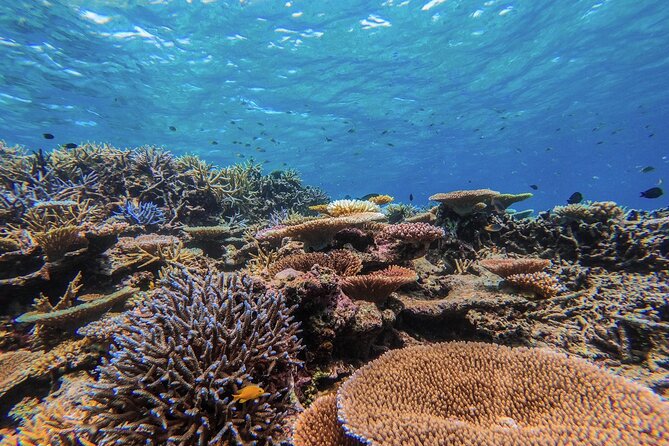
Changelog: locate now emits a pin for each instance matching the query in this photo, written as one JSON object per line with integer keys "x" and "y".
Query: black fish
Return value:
{"x": 653, "y": 192}
{"x": 328, "y": 139}
{"x": 575, "y": 198}
{"x": 368, "y": 196}
{"x": 410, "y": 197}
{"x": 534, "y": 186}
{"x": 70, "y": 145}
{"x": 47, "y": 135}
{"x": 213, "y": 143}
{"x": 174, "y": 129}
{"x": 647, "y": 169}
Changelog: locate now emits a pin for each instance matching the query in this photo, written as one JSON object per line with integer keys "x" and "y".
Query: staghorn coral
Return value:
{"x": 58, "y": 420}
{"x": 380, "y": 199}
{"x": 541, "y": 283}
{"x": 171, "y": 377}
{"x": 57, "y": 242}
{"x": 341, "y": 208}
{"x": 343, "y": 262}
{"x": 465, "y": 393}
{"x": 399, "y": 212}
{"x": 141, "y": 213}
{"x": 318, "y": 425}
{"x": 504, "y": 267}
{"x": 465, "y": 202}
{"x": 377, "y": 286}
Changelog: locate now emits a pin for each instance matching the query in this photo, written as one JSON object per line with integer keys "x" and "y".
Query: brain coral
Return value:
{"x": 466, "y": 393}
{"x": 340, "y": 208}
{"x": 173, "y": 371}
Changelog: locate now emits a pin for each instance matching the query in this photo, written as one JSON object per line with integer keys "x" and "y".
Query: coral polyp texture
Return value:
{"x": 319, "y": 426}
{"x": 481, "y": 394}
{"x": 378, "y": 285}
{"x": 343, "y": 262}
{"x": 200, "y": 339}
{"x": 341, "y": 208}
{"x": 506, "y": 267}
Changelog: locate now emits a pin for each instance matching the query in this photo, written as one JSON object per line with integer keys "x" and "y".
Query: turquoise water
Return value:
{"x": 398, "y": 97}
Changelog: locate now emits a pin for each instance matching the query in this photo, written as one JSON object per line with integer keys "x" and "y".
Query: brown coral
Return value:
{"x": 15, "y": 368}
{"x": 544, "y": 285}
{"x": 506, "y": 267}
{"x": 411, "y": 232}
{"x": 341, "y": 208}
{"x": 466, "y": 393}
{"x": 381, "y": 199}
{"x": 318, "y": 426}
{"x": 318, "y": 233}
{"x": 464, "y": 202}
{"x": 377, "y": 286}
{"x": 343, "y": 262}
{"x": 593, "y": 212}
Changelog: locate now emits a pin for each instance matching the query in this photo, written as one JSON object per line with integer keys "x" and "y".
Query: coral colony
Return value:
{"x": 154, "y": 299}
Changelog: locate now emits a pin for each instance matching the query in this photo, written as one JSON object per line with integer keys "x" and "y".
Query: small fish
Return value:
{"x": 70, "y": 145}
{"x": 575, "y": 198}
{"x": 47, "y": 135}
{"x": 390, "y": 144}
{"x": 494, "y": 227}
{"x": 247, "y": 393}
{"x": 174, "y": 129}
{"x": 647, "y": 169}
{"x": 214, "y": 143}
{"x": 534, "y": 186}
{"x": 653, "y": 192}
{"x": 328, "y": 139}
{"x": 410, "y": 197}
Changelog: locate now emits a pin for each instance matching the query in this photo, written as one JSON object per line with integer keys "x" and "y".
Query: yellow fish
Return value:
{"x": 247, "y": 393}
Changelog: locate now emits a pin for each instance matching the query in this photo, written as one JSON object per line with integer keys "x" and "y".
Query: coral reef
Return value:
{"x": 172, "y": 376}
{"x": 377, "y": 286}
{"x": 319, "y": 426}
{"x": 475, "y": 394}
{"x": 148, "y": 235}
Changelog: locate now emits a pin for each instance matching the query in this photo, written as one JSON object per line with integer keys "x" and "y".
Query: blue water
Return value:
{"x": 392, "y": 97}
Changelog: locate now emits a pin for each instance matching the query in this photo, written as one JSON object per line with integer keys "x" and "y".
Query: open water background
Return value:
{"x": 393, "y": 97}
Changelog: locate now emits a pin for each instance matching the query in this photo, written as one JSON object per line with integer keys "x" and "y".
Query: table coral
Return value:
{"x": 377, "y": 286}
{"x": 467, "y": 393}
{"x": 465, "y": 202}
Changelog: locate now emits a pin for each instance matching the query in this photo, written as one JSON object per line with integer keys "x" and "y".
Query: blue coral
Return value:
{"x": 142, "y": 213}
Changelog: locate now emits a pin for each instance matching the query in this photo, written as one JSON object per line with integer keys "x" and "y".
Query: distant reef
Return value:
{"x": 148, "y": 298}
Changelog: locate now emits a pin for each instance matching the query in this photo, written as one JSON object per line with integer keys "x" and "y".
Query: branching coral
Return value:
{"x": 411, "y": 232}
{"x": 541, "y": 283}
{"x": 592, "y": 212}
{"x": 378, "y": 285}
{"x": 186, "y": 352}
{"x": 141, "y": 213}
{"x": 480, "y": 394}
{"x": 380, "y": 199}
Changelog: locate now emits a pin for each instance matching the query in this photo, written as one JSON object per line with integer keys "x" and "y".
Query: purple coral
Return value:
{"x": 185, "y": 352}
{"x": 142, "y": 213}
